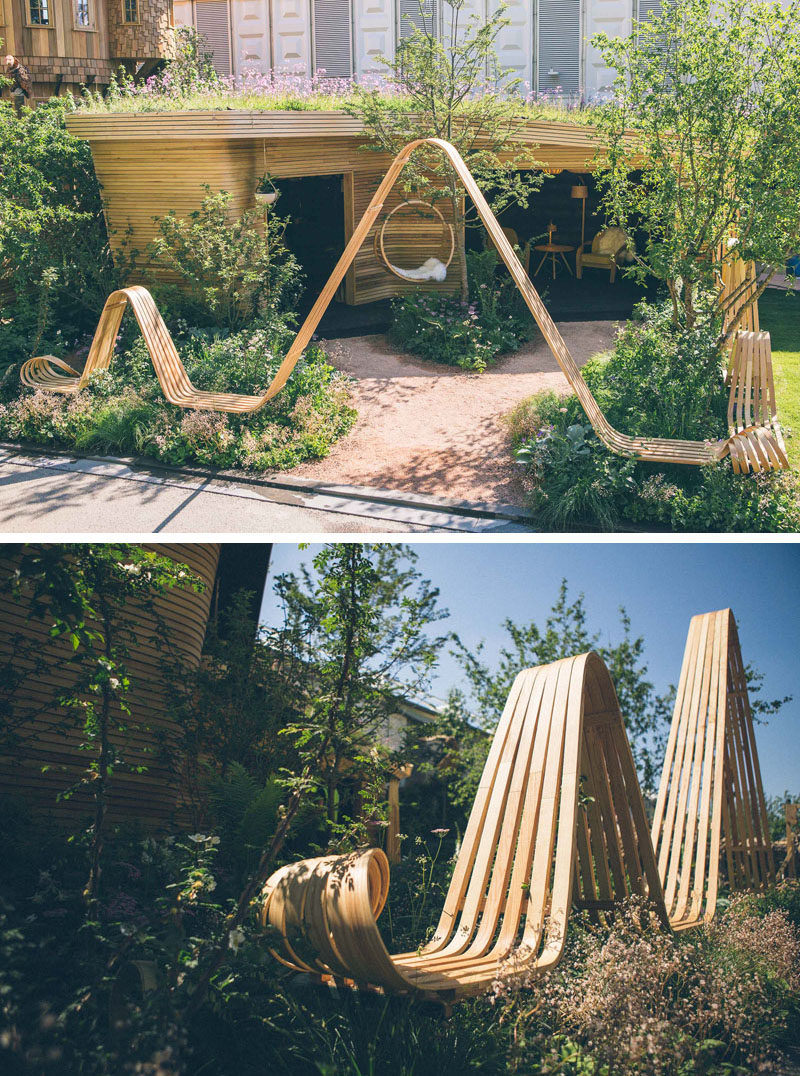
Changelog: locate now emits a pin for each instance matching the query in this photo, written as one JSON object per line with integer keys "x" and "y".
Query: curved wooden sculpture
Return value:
{"x": 39, "y": 372}
{"x": 756, "y": 441}
{"x": 711, "y": 797}
{"x": 558, "y": 822}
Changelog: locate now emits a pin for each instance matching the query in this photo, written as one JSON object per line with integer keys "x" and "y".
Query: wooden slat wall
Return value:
{"x": 372, "y": 280}
{"x": 150, "y": 797}
{"x": 151, "y": 164}
{"x": 144, "y": 180}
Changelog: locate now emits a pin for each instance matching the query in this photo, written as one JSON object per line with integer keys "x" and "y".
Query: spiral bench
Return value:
{"x": 45, "y": 372}
{"x": 558, "y": 824}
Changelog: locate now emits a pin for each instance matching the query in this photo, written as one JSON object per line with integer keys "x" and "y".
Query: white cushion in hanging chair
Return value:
{"x": 431, "y": 269}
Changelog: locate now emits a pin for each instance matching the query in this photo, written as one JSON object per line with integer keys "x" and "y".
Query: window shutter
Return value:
{"x": 411, "y": 17}
{"x": 648, "y": 8}
{"x": 333, "y": 38}
{"x": 212, "y": 21}
{"x": 559, "y": 46}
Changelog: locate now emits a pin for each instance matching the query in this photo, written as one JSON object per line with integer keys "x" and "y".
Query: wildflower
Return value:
{"x": 440, "y": 832}
{"x": 235, "y": 939}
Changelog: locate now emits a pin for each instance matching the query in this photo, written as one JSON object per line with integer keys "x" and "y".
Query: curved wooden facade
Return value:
{"x": 150, "y": 797}
{"x": 151, "y": 163}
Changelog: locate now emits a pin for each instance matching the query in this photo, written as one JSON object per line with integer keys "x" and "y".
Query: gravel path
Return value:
{"x": 435, "y": 429}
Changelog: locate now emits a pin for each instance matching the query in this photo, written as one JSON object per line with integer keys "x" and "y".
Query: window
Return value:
{"x": 333, "y": 38}
{"x": 212, "y": 20}
{"x": 130, "y": 10}
{"x": 559, "y": 47}
{"x": 39, "y": 12}
{"x": 412, "y": 17}
{"x": 83, "y": 18}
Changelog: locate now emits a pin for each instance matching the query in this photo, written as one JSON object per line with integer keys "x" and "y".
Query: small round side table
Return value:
{"x": 552, "y": 251}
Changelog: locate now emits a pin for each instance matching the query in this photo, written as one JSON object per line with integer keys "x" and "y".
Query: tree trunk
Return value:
{"x": 92, "y": 889}
{"x": 461, "y": 252}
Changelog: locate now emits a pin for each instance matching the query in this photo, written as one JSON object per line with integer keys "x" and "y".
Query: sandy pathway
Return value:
{"x": 435, "y": 429}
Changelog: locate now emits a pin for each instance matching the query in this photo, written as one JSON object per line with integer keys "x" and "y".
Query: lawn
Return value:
{"x": 780, "y": 315}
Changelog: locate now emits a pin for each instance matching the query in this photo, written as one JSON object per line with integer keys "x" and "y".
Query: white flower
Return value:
{"x": 235, "y": 938}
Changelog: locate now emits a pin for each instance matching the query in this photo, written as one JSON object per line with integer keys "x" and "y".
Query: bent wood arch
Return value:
{"x": 43, "y": 372}
{"x": 558, "y": 824}
{"x": 558, "y": 818}
{"x": 710, "y": 799}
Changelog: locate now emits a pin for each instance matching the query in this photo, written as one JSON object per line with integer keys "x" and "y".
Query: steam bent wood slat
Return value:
{"x": 757, "y": 442}
{"x": 558, "y": 822}
{"x": 38, "y": 372}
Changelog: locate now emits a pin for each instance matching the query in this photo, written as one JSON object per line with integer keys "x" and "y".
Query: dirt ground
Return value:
{"x": 435, "y": 429}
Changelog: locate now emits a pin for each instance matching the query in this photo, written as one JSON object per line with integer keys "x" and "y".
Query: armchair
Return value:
{"x": 606, "y": 252}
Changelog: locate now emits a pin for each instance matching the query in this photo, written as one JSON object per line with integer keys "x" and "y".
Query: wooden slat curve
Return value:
{"x": 179, "y": 389}
{"x": 710, "y": 799}
{"x": 558, "y": 823}
{"x": 755, "y": 439}
{"x": 558, "y": 812}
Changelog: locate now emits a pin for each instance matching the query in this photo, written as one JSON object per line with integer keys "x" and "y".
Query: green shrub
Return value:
{"x": 232, "y": 270}
{"x": 471, "y": 335}
{"x": 660, "y": 381}
{"x": 123, "y": 410}
{"x": 54, "y": 254}
{"x": 572, "y": 478}
{"x": 657, "y": 382}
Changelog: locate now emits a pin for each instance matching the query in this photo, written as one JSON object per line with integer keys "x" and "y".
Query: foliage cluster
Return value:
{"x": 467, "y": 333}
{"x": 721, "y": 999}
{"x": 625, "y": 1001}
{"x": 709, "y": 173}
{"x": 124, "y": 411}
{"x": 54, "y": 259}
{"x": 233, "y": 270}
{"x": 658, "y": 382}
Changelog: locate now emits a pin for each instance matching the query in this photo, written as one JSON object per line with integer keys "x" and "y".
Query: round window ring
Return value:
{"x": 447, "y": 229}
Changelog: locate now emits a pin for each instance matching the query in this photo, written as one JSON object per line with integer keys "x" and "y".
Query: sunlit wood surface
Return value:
{"x": 558, "y": 824}
{"x": 42, "y": 372}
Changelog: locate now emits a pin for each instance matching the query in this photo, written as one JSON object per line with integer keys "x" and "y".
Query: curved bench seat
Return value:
{"x": 558, "y": 824}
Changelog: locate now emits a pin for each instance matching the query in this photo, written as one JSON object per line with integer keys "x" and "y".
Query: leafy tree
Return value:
{"x": 231, "y": 707}
{"x": 454, "y": 89}
{"x": 355, "y": 636}
{"x": 703, "y": 144}
{"x": 564, "y": 633}
{"x": 54, "y": 254}
{"x": 93, "y": 598}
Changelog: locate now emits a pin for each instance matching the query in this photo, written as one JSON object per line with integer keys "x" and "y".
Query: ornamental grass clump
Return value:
{"x": 635, "y": 999}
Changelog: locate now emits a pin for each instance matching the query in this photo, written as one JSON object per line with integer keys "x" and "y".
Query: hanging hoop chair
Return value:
{"x": 433, "y": 268}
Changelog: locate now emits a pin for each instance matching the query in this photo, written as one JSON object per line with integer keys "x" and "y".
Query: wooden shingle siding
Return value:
{"x": 150, "y": 797}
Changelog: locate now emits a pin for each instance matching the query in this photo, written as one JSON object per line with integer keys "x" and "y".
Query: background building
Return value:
{"x": 546, "y": 43}
{"x": 69, "y": 43}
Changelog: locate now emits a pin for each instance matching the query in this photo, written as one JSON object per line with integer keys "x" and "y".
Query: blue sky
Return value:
{"x": 660, "y": 585}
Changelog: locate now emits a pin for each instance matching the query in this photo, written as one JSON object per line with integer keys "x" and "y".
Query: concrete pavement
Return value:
{"x": 60, "y": 494}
